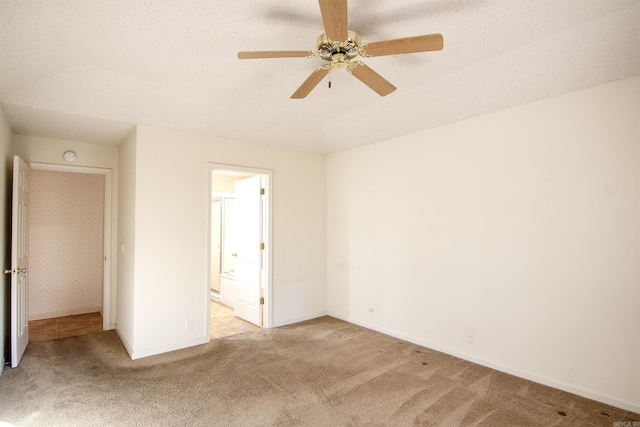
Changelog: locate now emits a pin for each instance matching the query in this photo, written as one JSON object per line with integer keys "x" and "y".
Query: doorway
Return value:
{"x": 79, "y": 276}
{"x": 239, "y": 244}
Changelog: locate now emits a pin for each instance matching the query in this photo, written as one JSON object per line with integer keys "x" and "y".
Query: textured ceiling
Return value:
{"x": 90, "y": 70}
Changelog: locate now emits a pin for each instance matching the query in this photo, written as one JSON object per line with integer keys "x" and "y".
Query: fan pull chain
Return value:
{"x": 329, "y": 79}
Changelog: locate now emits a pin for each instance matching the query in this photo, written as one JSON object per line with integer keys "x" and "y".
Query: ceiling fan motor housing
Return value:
{"x": 339, "y": 53}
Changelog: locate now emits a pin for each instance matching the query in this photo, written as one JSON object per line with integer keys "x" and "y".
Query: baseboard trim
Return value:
{"x": 61, "y": 313}
{"x": 299, "y": 319}
{"x": 627, "y": 406}
{"x": 124, "y": 341}
{"x": 167, "y": 348}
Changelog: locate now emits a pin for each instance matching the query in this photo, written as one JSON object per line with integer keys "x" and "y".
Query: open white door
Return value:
{"x": 19, "y": 260}
{"x": 248, "y": 240}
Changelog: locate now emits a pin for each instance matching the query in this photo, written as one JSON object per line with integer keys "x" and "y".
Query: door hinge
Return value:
{"x": 261, "y": 300}
{"x": 262, "y": 191}
{"x": 262, "y": 246}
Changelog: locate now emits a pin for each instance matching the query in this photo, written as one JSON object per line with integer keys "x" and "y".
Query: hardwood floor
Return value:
{"x": 62, "y": 327}
{"x": 223, "y": 324}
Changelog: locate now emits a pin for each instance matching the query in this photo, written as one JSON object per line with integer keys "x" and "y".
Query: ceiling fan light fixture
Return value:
{"x": 327, "y": 48}
{"x": 338, "y": 47}
{"x": 339, "y": 60}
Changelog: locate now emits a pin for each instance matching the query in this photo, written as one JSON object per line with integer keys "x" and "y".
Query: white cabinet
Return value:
{"x": 227, "y": 290}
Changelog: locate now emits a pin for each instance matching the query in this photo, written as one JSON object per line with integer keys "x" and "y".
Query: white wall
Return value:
{"x": 6, "y": 153}
{"x": 47, "y": 150}
{"x": 521, "y": 226}
{"x": 170, "y": 278}
{"x": 125, "y": 243}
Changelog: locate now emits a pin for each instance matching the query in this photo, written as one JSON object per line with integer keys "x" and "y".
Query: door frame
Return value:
{"x": 107, "y": 285}
{"x": 211, "y": 231}
{"x": 268, "y": 228}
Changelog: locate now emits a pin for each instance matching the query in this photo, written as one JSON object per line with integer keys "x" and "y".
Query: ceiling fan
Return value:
{"x": 339, "y": 47}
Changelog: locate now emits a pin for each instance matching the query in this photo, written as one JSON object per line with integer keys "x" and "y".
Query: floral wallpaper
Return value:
{"x": 66, "y": 243}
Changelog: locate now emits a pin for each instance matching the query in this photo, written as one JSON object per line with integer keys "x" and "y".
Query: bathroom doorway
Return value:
{"x": 239, "y": 242}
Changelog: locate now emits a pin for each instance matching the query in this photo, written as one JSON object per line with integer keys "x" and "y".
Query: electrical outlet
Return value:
{"x": 303, "y": 303}
{"x": 188, "y": 325}
{"x": 370, "y": 310}
{"x": 470, "y": 337}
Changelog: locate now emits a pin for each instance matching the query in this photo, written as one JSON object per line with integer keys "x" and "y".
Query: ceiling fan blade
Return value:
{"x": 372, "y": 79}
{"x": 311, "y": 82}
{"x": 335, "y": 19}
{"x": 426, "y": 43}
{"x": 275, "y": 54}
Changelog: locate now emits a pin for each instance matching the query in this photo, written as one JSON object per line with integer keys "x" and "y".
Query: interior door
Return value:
{"x": 19, "y": 260}
{"x": 248, "y": 232}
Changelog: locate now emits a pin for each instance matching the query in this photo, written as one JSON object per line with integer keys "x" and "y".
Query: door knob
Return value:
{"x": 234, "y": 253}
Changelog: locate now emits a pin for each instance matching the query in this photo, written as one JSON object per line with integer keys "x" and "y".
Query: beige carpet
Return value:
{"x": 323, "y": 372}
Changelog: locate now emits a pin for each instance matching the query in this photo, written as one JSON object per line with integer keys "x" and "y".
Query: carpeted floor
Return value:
{"x": 323, "y": 372}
